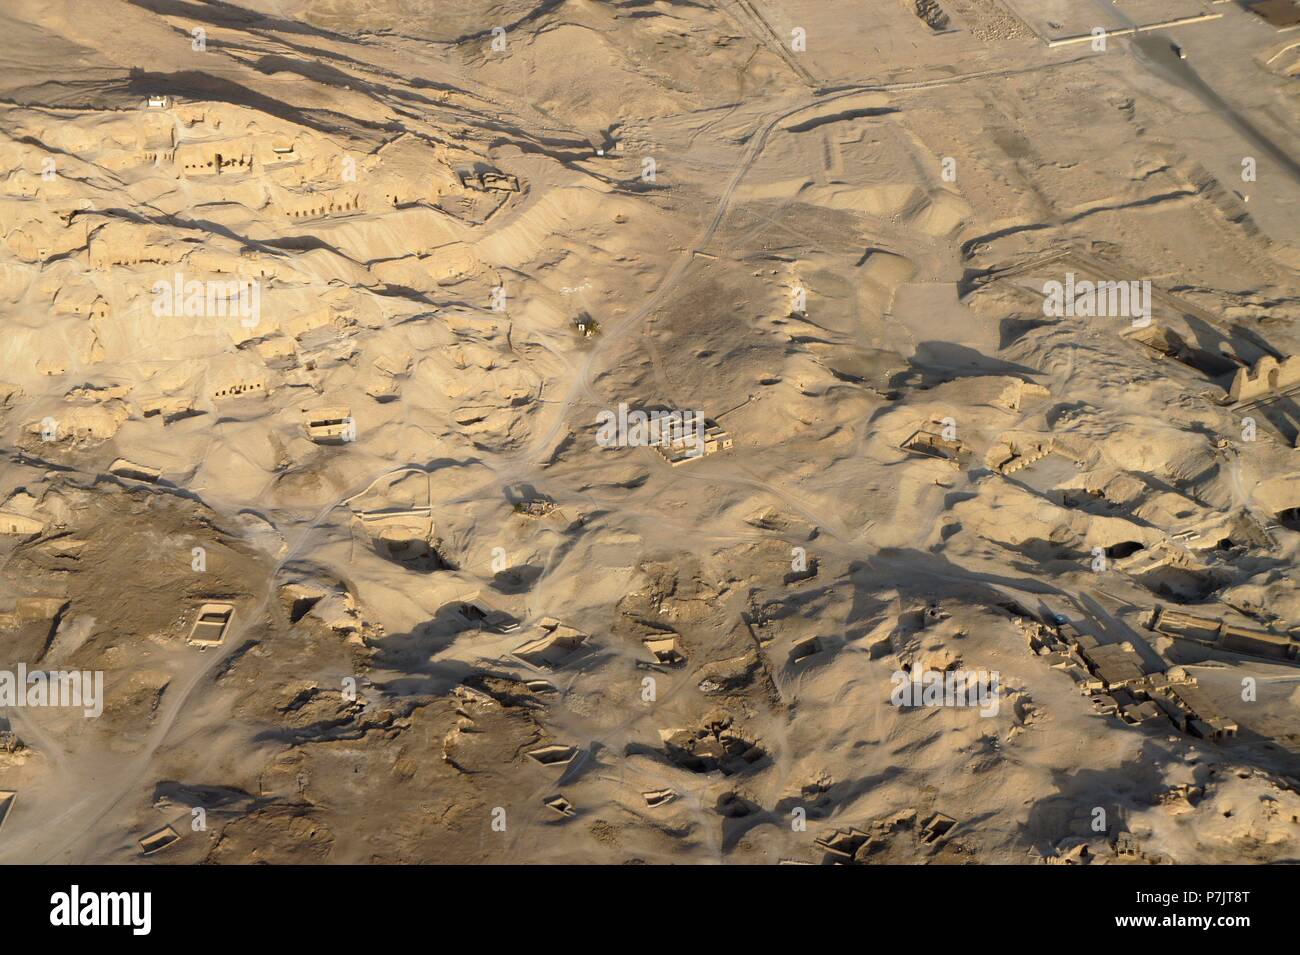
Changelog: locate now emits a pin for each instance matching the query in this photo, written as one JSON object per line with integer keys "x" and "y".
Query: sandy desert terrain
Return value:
{"x": 565, "y": 431}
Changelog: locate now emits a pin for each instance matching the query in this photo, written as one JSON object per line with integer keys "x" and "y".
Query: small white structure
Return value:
{"x": 158, "y": 840}
{"x": 475, "y": 611}
{"x": 7, "y": 799}
{"x": 211, "y": 624}
{"x": 680, "y": 443}
{"x": 552, "y": 647}
{"x": 136, "y": 472}
{"x": 333, "y": 425}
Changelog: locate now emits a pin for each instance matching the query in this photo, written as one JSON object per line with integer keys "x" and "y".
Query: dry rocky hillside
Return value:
{"x": 316, "y": 319}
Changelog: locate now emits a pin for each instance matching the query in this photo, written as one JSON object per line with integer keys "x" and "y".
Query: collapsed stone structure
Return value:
{"x": 928, "y": 444}
{"x": 552, "y": 647}
{"x": 1122, "y": 686}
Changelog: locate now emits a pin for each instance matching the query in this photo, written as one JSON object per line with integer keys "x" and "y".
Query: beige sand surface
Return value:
{"x": 462, "y": 630}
